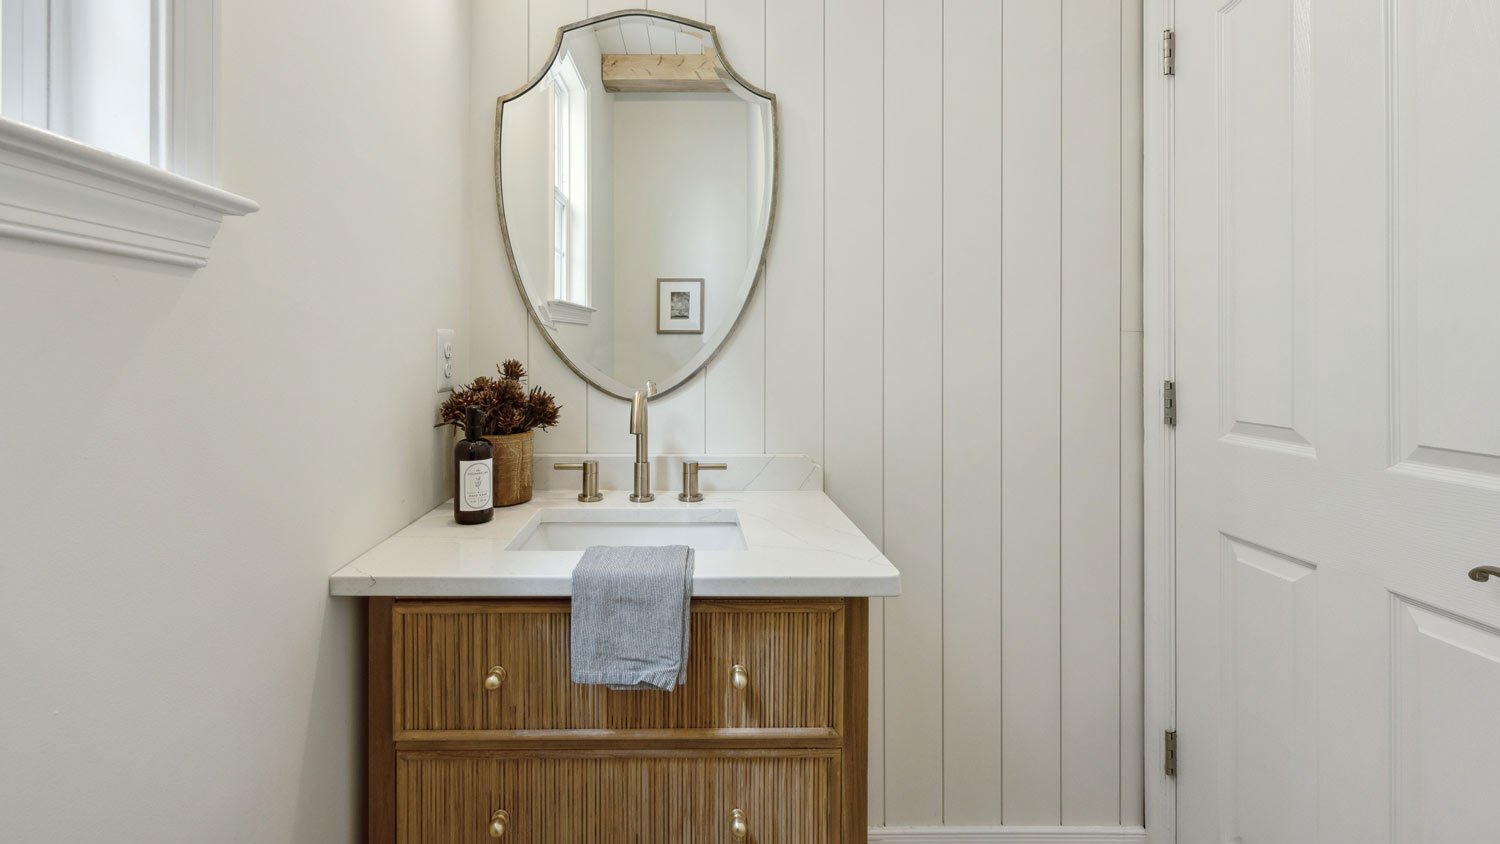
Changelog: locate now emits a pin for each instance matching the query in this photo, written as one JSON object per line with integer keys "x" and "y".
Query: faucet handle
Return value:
{"x": 590, "y": 469}
{"x": 690, "y": 470}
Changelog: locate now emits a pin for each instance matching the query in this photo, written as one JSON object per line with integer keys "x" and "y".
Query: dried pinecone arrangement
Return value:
{"x": 509, "y": 408}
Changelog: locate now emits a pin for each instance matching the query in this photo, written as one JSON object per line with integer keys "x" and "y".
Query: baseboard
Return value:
{"x": 1007, "y": 835}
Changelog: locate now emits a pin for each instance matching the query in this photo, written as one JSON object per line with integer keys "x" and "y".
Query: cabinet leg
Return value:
{"x": 380, "y": 762}
{"x": 856, "y": 714}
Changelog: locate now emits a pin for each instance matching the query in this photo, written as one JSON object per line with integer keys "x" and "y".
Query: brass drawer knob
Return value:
{"x": 739, "y": 678}
{"x": 494, "y": 680}
{"x": 497, "y": 823}
{"x": 738, "y": 826}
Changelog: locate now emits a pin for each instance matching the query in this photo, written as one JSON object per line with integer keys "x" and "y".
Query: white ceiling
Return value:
{"x": 642, "y": 36}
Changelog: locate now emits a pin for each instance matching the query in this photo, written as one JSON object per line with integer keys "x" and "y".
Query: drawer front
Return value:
{"x": 645, "y": 797}
{"x": 446, "y": 655}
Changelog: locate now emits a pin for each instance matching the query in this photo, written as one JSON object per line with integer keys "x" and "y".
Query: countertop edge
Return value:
{"x": 354, "y": 586}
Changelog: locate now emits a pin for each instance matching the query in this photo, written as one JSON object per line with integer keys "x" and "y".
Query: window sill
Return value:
{"x": 56, "y": 190}
{"x": 571, "y": 313}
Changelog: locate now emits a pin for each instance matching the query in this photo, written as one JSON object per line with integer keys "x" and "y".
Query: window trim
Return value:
{"x": 61, "y": 191}
{"x": 562, "y": 269}
{"x": 570, "y": 283}
{"x": 571, "y": 313}
{"x": 24, "y": 71}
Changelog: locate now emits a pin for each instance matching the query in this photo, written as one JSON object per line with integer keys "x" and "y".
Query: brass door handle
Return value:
{"x": 497, "y": 823}
{"x": 738, "y": 826}
{"x": 1483, "y": 573}
{"x": 496, "y": 678}
{"x": 739, "y": 677}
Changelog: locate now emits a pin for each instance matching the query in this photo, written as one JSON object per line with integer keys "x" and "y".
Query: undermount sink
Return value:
{"x": 574, "y": 529}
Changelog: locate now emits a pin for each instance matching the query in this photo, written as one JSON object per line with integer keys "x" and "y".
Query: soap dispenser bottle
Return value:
{"x": 473, "y": 474}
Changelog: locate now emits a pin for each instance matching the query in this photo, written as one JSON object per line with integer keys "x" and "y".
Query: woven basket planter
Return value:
{"x": 512, "y": 468}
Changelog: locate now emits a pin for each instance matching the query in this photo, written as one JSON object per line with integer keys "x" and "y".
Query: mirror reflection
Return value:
{"x": 635, "y": 186}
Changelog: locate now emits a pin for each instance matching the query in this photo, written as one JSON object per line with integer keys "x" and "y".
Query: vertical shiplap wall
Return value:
{"x": 972, "y": 132}
{"x": 950, "y": 323}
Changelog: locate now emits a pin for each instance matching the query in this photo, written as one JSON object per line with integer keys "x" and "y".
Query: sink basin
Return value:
{"x": 576, "y": 528}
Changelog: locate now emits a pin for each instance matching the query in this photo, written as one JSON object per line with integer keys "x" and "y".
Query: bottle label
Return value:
{"x": 475, "y": 488}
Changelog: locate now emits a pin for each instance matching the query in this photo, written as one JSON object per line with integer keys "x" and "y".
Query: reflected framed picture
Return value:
{"x": 679, "y": 306}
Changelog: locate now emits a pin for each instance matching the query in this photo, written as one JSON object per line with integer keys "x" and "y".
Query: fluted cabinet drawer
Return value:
{"x": 644, "y": 797}
{"x": 494, "y": 667}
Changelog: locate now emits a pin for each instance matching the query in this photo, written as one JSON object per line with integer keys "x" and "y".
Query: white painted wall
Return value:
{"x": 950, "y": 323}
{"x": 601, "y": 260}
{"x": 185, "y": 457}
{"x": 528, "y": 187}
{"x": 671, "y": 226}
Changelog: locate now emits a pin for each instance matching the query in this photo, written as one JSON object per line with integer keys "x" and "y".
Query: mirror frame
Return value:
{"x": 600, "y": 380}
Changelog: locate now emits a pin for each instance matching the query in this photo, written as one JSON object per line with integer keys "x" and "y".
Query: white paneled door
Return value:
{"x": 1336, "y": 264}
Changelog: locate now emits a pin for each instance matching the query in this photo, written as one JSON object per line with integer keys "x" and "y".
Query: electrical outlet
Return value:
{"x": 446, "y": 360}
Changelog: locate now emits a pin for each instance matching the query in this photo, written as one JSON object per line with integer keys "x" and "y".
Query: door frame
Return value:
{"x": 1158, "y": 462}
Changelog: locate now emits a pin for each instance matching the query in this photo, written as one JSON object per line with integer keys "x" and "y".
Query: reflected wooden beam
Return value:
{"x": 661, "y": 74}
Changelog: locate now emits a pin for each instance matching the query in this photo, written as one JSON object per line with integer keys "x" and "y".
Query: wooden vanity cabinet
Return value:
{"x": 477, "y": 733}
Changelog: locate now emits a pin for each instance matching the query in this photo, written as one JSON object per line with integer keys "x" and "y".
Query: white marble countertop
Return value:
{"x": 800, "y": 544}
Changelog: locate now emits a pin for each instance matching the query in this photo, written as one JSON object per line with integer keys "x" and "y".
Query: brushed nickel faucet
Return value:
{"x": 690, "y": 470}
{"x": 638, "y": 414}
{"x": 590, "y": 470}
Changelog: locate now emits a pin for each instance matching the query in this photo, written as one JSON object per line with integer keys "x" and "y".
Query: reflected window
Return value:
{"x": 569, "y": 166}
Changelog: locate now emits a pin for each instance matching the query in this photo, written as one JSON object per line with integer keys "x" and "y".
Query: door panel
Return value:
{"x": 1445, "y": 681}
{"x": 1337, "y": 353}
{"x": 1269, "y": 634}
{"x": 1266, "y": 340}
{"x": 1446, "y": 74}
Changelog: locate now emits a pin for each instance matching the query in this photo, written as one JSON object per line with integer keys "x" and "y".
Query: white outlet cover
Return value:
{"x": 445, "y": 360}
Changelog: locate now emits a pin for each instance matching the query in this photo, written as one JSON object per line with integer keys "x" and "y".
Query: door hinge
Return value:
{"x": 1168, "y": 52}
{"x": 1169, "y": 402}
{"x": 1169, "y": 757}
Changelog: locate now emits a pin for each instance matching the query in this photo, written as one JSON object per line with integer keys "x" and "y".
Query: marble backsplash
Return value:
{"x": 745, "y": 472}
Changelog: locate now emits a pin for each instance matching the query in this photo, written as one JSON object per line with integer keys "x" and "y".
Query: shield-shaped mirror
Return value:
{"x": 636, "y": 183}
